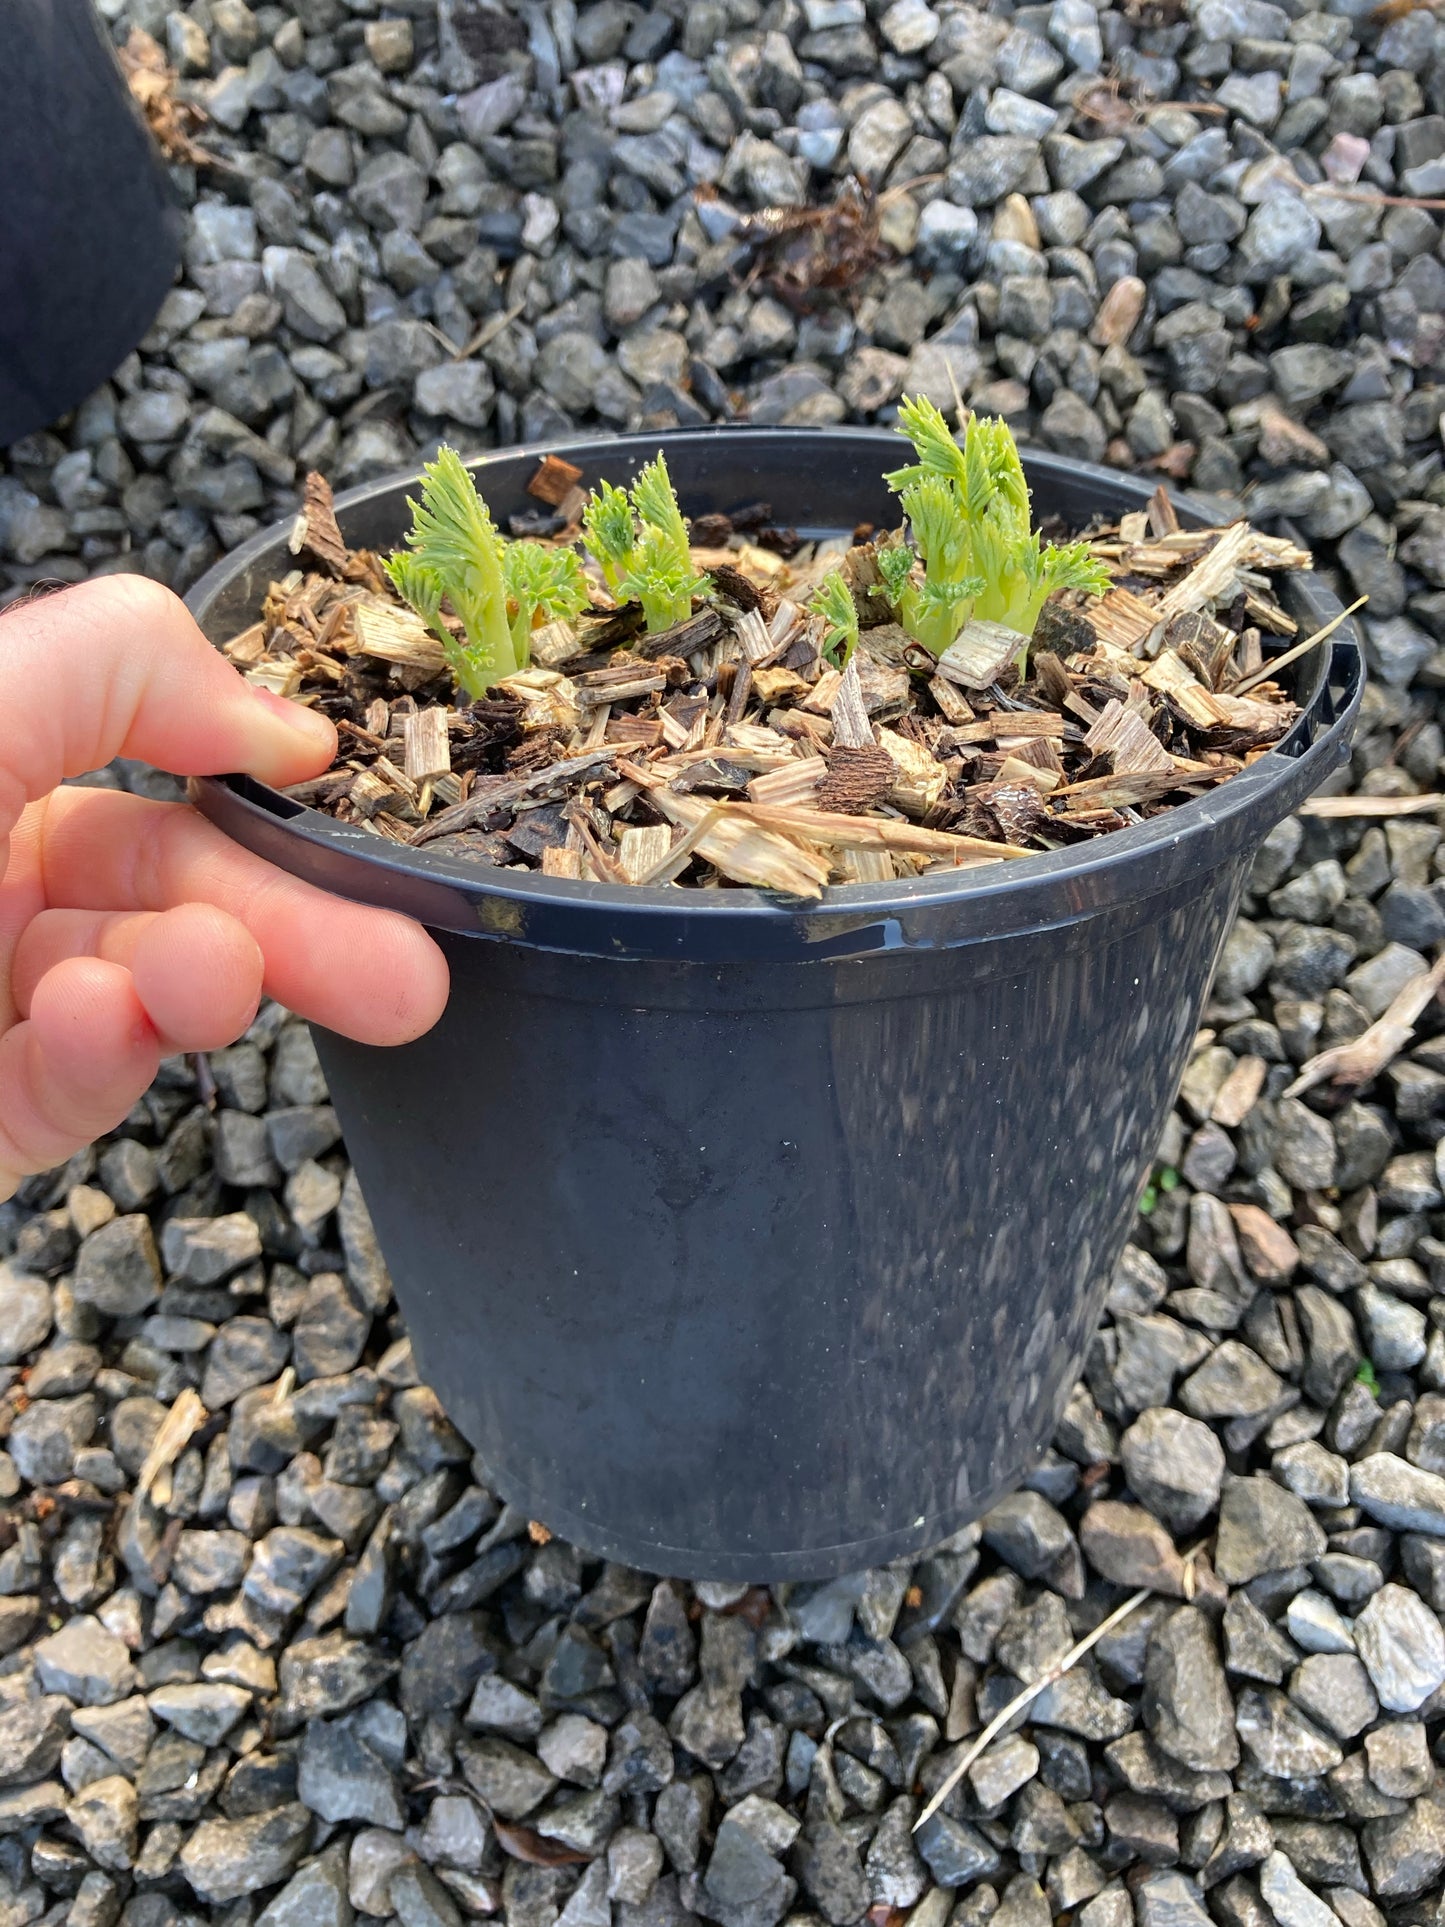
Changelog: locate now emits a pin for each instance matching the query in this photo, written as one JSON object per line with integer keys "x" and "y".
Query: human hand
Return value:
{"x": 130, "y": 930}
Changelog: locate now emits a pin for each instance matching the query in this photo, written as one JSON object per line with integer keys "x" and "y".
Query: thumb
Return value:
{"x": 117, "y": 667}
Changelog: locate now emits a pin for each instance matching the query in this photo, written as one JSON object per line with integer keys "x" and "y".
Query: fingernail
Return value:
{"x": 306, "y": 722}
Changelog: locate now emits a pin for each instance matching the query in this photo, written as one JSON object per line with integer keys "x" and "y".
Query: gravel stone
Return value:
{"x": 26, "y": 1314}
{"x": 1186, "y": 1704}
{"x": 1280, "y": 1739}
{"x": 1399, "y": 1495}
{"x": 1403, "y": 1646}
{"x": 224, "y": 1859}
{"x": 86, "y": 1662}
{"x": 1262, "y": 1528}
{"x": 341, "y": 1777}
{"x": 1175, "y": 1466}
{"x": 116, "y": 1268}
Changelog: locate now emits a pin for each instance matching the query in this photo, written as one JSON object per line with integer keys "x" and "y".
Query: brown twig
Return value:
{"x": 1364, "y": 1057}
{"x": 1272, "y": 668}
{"x": 1030, "y": 1693}
{"x": 1370, "y": 199}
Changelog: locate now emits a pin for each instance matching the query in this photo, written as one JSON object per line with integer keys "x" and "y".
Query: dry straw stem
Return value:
{"x": 1272, "y": 668}
{"x": 1368, "y": 1054}
{"x": 1056, "y": 1672}
{"x": 176, "y": 1429}
{"x": 1371, "y": 805}
{"x": 875, "y": 833}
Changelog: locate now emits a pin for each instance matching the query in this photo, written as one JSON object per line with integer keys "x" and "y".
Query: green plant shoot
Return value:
{"x": 497, "y": 589}
{"x": 540, "y": 581}
{"x": 610, "y": 533}
{"x": 968, "y": 506}
{"x": 651, "y": 562}
{"x": 455, "y": 551}
{"x": 833, "y": 601}
{"x": 418, "y": 587}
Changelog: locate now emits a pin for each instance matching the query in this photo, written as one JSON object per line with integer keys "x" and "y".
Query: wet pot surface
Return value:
{"x": 754, "y": 1241}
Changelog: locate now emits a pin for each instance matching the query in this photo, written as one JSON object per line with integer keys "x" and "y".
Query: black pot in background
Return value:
{"x": 755, "y": 1241}
{"x": 89, "y": 233}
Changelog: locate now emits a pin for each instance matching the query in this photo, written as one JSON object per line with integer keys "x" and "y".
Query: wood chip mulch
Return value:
{"x": 729, "y": 751}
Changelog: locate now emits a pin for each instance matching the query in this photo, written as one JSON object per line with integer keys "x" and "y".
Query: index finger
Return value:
{"x": 117, "y": 667}
{"x": 370, "y": 974}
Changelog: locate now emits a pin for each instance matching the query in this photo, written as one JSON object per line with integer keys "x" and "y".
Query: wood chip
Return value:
{"x": 1127, "y": 740}
{"x": 851, "y": 727}
{"x": 1134, "y": 527}
{"x": 1122, "y": 618}
{"x": 752, "y": 633}
{"x": 282, "y": 676}
{"x": 918, "y": 778}
{"x": 1162, "y": 518}
{"x": 1173, "y": 678}
{"x": 1117, "y": 792}
{"x": 556, "y": 643}
{"x": 824, "y": 690}
{"x": 640, "y": 849}
{"x": 979, "y": 654}
{"x": 1017, "y": 808}
{"x": 746, "y": 851}
{"x": 426, "y": 745}
{"x": 588, "y": 694}
{"x": 950, "y": 700}
{"x": 1364, "y": 1057}
{"x": 1011, "y": 725}
{"x": 316, "y": 531}
{"x": 877, "y": 833}
{"x": 795, "y": 782}
{"x": 1212, "y": 578}
{"x": 1014, "y": 770}
{"x": 492, "y": 793}
{"x": 638, "y": 732}
{"x": 175, "y": 1432}
{"x": 247, "y": 648}
{"x": 858, "y": 779}
{"x": 685, "y": 639}
{"x": 779, "y": 685}
{"x": 560, "y": 862}
{"x": 390, "y": 633}
{"x": 1371, "y": 805}
{"x": 867, "y": 866}
{"x": 882, "y": 685}
{"x": 554, "y": 480}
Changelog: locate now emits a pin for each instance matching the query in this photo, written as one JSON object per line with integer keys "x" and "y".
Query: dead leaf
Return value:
{"x": 152, "y": 83}
{"x": 522, "y": 1843}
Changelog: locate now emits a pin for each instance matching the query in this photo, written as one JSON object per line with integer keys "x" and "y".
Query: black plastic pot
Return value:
{"x": 755, "y": 1241}
{"x": 89, "y": 232}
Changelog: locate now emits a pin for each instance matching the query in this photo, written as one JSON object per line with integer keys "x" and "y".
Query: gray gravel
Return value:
{"x": 318, "y": 1670}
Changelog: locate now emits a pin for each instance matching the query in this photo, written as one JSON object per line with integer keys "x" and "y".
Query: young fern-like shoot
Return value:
{"x": 650, "y": 563}
{"x": 454, "y": 552}
{"x": 540, "y": 582}
{"x": 968, "y": 507}
{"x": 935, "y": 613}
{"x": 422, "y": 592}
{"x": 609, "y": 532}
{"x": 832, "y": 600}
{"x": 663, "y": 584}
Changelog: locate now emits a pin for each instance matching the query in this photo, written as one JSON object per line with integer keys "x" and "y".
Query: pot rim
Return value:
{"x": 1057, "y": 887}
